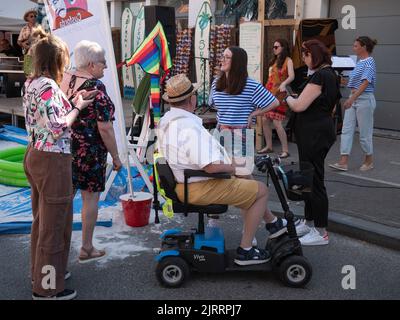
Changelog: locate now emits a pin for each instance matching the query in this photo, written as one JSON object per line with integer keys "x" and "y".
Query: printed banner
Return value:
{"x": 78, "y": 20}
{"x": 126, "y": 51}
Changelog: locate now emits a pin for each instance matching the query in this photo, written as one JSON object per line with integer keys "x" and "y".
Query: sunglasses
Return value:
{"x": 31, "y": 16}
{"x": 276, "y": 47}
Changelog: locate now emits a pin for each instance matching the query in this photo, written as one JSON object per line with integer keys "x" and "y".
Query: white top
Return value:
{"x": 186, "y": 144}
{"x": 364, "y": 70}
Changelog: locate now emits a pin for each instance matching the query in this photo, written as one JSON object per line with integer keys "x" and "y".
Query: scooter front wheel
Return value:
{"x": 295, "y": 271}
{"x": 172, "y": 272}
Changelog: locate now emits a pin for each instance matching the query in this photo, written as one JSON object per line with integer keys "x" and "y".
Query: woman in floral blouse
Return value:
{"x": 92, "y": 138}
{"x": 47, "y": 164}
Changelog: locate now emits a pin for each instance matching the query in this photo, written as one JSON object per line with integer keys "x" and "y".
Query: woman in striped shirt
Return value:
{"x": 360, "y": 106}
{"x": 238, "y": 98}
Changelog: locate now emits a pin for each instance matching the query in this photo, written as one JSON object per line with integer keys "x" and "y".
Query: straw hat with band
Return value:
{"x": 27, "y": 13}
{"x": 179, "y": 88}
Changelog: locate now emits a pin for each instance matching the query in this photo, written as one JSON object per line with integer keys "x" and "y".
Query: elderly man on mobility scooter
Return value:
{"x": 186, "y": 144}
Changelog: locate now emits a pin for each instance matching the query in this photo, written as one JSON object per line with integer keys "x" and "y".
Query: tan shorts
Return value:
{"x": 241, "y": 193}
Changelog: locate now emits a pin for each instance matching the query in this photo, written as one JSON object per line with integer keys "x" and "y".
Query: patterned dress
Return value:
{"x": 89, "y": 153}
{"x": 275, "y": 78}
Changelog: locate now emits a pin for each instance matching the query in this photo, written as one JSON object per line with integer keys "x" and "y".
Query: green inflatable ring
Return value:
{"x": 11, "y": 167}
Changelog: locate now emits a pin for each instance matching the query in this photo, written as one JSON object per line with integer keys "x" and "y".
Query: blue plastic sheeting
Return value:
{"x": 15, "y": 203}
{"x": 14, "y": 134}
{"x": 16, "y": 212}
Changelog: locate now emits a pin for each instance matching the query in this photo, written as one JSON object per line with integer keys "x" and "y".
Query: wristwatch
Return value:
{"x": 289, "y": 95}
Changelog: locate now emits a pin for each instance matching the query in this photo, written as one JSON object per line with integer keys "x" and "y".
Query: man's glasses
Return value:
{"x": 103, "y": 62}
{"x": 31, "y": 16}
{"x": 276, "y": 47}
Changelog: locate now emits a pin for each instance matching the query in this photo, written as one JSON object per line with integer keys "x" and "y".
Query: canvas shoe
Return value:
{"x": 314, "y": 238}
{"x": 252, "y": 256}
{"x": 67, "y": 294}
{"x": 275, "y": 229}
{"x": 302, "y": 228}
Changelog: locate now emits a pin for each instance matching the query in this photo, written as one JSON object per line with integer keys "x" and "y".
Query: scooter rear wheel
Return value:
{"x": 295, "y": 271}
{"x": 172, "y": 272}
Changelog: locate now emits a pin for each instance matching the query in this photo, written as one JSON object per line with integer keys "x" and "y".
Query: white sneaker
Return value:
{"x": 302, "y": 228}
{"x": 314, "y": 238}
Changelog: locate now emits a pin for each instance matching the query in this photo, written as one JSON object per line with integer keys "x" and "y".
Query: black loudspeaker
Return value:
{"x": 14, "y": 84}
{"x": 166, "y": 15}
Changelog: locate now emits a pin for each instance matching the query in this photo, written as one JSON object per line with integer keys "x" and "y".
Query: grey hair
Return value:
{"x": 86, "y": 52}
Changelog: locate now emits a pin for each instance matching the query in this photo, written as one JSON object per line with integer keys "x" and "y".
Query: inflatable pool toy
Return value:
{"x": 11, "y": 168}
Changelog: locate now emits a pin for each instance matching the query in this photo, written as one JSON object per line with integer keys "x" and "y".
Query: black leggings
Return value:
{"x": 314, "y": 139}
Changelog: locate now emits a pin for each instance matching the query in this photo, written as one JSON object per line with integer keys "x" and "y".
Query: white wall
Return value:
{"x": 314, "y": 9}
{"x": 15, "y": 10}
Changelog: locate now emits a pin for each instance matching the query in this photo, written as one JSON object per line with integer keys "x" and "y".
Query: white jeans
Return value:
{"x": 361, "y": 113}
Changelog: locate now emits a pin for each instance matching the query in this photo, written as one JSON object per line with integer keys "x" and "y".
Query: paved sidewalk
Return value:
{"x": 363, "y": 205}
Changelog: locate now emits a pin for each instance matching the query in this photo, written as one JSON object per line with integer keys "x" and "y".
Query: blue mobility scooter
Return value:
{"x": 203, "y": 250}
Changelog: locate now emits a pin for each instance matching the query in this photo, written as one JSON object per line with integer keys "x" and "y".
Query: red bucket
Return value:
{"x": 136, "y": 209}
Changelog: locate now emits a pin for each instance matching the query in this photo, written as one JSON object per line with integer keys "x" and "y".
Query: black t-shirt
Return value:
{"x": 330, "y": 92}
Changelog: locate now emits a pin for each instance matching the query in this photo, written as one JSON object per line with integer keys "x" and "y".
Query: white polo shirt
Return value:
{"x": 186, "y": 144}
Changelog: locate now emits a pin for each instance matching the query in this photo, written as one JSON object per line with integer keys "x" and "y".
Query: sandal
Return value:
{"x": 284, "y": 155}
{"x": 91, "y": 256}
{"x": 265, "y": 150}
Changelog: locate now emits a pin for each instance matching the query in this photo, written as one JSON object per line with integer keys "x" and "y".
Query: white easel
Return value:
{"x": 137, "y": 156}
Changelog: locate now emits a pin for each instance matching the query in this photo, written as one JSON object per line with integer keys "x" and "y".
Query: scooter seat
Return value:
{"x": 208, "y": 209}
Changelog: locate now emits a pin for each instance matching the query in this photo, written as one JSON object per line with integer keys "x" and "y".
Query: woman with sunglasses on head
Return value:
{"x": 360, "y": 106}
{"x": 281, "y": 74}
{"x": 47, "y": 164}
{"x": 92, "y": 138}
{"x": 315, "y": 134}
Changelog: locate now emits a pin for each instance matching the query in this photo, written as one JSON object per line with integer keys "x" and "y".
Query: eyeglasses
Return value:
{"x": 226, "y": 58}
{"x": 276, "y": 47}
{"x": 31, "y": 16}
{"x": 102, "y": 62}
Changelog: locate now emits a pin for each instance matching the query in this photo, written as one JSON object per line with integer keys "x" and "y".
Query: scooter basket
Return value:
{"x": 297, "y": 181}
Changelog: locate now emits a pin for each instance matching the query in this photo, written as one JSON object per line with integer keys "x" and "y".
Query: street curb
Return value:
{"x": 372, "y": 232}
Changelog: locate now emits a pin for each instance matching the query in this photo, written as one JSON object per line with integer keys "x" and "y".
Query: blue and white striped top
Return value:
{"x": 364, "y": 70}
{"x": 234, "y": 110}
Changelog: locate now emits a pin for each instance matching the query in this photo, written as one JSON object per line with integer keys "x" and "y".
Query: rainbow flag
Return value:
{"x": 153, "y": 55}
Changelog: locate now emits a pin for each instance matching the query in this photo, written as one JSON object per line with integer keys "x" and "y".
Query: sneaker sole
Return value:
{"x": 338, "y": 168}
{"x": 319, "y": 243}
{"x": 278, "y": 233}
{"x": 92, "y": 259}
{"x": 250, "y": 262}
{"x": 68, "y": 297}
